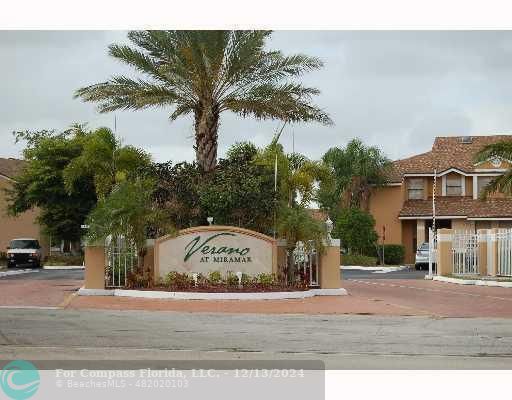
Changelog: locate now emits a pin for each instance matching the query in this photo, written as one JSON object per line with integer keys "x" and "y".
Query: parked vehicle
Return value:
{"x": 422, "y": 256}
{"x": 24, "y": 252}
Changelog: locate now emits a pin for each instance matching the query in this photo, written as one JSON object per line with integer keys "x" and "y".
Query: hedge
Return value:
{"x": 354, "y": 259}
{"x": 394, "y": 254}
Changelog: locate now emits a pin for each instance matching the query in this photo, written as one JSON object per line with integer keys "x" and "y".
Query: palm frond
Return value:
{"x": 501, "y": 184}
{"x": 288, "y": 102}
{"x": 502, "y": 150}
{"x": 122, "y": 93}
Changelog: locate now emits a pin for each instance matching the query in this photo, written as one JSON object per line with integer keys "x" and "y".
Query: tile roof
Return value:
{"x": 447, "y": 152}
{"x": 10, "y": 167}
{"x": 458, "y": 206}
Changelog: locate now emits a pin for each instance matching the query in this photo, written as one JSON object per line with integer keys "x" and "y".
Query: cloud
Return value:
{"x": 397, "y": 90}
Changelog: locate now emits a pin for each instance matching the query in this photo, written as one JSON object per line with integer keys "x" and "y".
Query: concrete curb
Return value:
{"x": 148, "y": 294}
{"x": 12, "y": 272}
{"x": 63, "y": 267}
{"x": 475, "y": 282}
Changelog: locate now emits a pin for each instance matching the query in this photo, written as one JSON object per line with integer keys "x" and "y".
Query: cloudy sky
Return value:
{"x": 397, "y": 90}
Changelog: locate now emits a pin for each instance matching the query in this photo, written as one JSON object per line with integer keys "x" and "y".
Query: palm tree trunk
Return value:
{"x": 206, "y": 126}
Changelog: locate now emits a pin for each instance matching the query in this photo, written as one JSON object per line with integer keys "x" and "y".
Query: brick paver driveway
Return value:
{"x": 40, "y": 288}
{"x": 400, "y": 293}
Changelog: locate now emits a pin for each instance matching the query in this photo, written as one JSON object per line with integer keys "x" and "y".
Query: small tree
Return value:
{"x": 356, "y": 229}
{"x": 295, "y": 224}
{"x": 128, "y": 211}
{"x": 240, "y": 192}
{"x": 105, "y": 159}
{"x": 41, "y": 184}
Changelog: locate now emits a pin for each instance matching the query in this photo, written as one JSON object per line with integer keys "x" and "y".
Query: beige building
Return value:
{"x": 404, "y": 207}
{"x": 24, "y": 225}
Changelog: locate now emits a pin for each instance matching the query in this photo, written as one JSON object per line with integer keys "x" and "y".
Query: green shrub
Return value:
{"x": 355, "y": 259}
{"x": 60, "y": 259}
{"x": 178, "y": 280}
{"x": 138, "y": 280}
{"x": 246, "y": 279}
{"x": 3, "y": 256}
{"x": 215, "y": 277}
{"x": 394, "y": 254}
{"x": 356, "y": 229}
{"x": 265, "y": 279}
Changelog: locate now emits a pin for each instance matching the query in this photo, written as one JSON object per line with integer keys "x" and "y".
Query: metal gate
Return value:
{"x": 120, "y": 260}
{"x": 305, "y": 260}
{"x": 465, "y": 253}
{"x": 432, "y": 252}
{"x": 504, "y": 241}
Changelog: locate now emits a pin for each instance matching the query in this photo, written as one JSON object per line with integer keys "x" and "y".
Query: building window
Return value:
{"x": 415, "y": 189}
{"x": 453, "y": 185}
{"x": 482, "y": 182}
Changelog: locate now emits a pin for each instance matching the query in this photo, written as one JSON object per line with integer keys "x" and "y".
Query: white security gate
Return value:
{"x": 504, "y": 240}
{"x": 465, "y": 253}
{"x": 305, "y": 260}
{"x": 120, "y": 260}
{"x": 432, "y": 252}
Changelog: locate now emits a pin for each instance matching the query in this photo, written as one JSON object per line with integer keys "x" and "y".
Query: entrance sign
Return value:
{"x": 216, "y": 248}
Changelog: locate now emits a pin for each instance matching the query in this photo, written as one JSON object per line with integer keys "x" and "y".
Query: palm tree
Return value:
{"x": 205, "y": 73}
{"x": 356, "y": 169}
{"x": 500, "y": 150}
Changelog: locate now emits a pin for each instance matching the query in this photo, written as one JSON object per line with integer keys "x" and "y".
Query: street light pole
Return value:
{"x": 274, "y": 143}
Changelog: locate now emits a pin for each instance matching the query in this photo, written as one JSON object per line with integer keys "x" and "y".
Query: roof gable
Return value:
{"x": 447, "y": 153}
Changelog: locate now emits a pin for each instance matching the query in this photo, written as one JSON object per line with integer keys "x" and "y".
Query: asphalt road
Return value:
{"x": 409, "y": 273}
{"x": 45, "y": 274}
{"x": 342, "y": 341}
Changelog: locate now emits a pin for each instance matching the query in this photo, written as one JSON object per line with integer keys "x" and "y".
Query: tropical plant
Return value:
{"x": 355, "y": 169}
{"x": 129, "y": 212}
{"x": 502, "y": 183}
{"x": 297, "y": 175}
{"x": 41, "y": 184}
{"x": 295, "y": 224}
{"x": 104, "y": 158}
{"x": 205, "y": 73}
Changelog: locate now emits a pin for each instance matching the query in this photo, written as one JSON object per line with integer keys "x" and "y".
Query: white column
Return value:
{"x": 475, "y": 188}
{"x": 463, "y": 185}
{"x": 443, "y": 185}
{"x": 420, "y": 232}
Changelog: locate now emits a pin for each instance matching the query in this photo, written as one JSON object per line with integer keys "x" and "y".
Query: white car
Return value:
{"x": 24, "y": 252}
{"x": 422, "y": 256}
